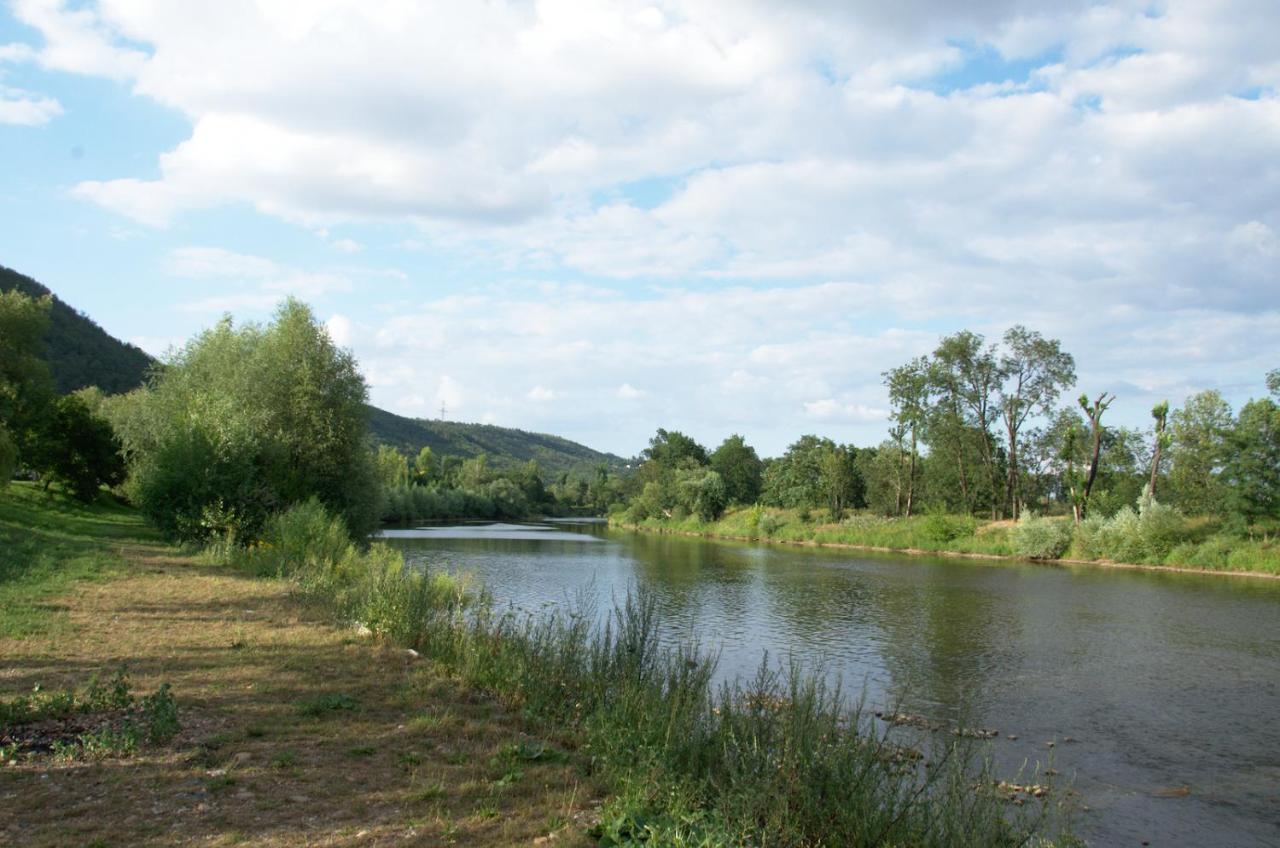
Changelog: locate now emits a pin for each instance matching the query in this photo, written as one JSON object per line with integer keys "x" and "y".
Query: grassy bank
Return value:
{"x": 303, "y": 719}
{"x": 294, "y": 731}
{"x": 779, "y": 759}
{"x": 1153, "y": 537}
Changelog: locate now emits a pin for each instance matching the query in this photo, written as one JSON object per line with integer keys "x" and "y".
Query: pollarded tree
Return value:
{"x": 242, "y": 422}
{"x": 740, "y": 468}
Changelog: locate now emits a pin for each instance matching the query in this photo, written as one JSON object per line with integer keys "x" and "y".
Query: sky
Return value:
{"x": 597, "y": 219}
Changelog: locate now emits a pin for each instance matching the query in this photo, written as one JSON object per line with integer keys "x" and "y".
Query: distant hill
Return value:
{"x": 83, "y": 354}
{"x": 504, "y": 445}
{"x": 80, "y": 352}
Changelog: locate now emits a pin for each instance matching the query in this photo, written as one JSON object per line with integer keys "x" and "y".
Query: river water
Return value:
{"x": 1160, "y": 692}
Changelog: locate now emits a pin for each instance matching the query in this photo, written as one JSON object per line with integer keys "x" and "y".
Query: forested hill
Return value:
{"x": 80, "y": 352}
{"x": 83, "y": 354}
{"x": 503, "y": 444}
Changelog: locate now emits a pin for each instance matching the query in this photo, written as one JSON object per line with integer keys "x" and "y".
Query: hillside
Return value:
{"x": 80, "y": 352}
{"x": 503, "y": 444}
{"x": 83, "y": 354}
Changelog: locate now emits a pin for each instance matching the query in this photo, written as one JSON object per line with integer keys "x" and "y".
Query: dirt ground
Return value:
{"x": 294, "y": 731}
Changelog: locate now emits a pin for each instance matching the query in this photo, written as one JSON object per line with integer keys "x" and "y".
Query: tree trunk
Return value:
{"x": 911, "y": 474}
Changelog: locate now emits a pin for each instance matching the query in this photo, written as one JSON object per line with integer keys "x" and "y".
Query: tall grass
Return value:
{"x": 776, "y": 760}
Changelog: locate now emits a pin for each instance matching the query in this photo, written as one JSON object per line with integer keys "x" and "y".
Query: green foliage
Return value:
{"x": 243, "y": 422}
{"x": 507, "y": 447}
{"x": 79, "y": 352}
{"x": 709, "y": 496}
{"x": 1198, "y": 452}
{"x": 25, "y": 385}
{"x": 1145, "y": 535}
{"x": 671, "y": 449}
{"x": 815, "y": 472}
{"x": 1041, "y": 538}
{"x": 1252, "y": 468}
{"x": 740, "y": 468}
{"x": 77, "y": 448}
{"x": 941, "y": 528}
{"x": 391, "y": 466}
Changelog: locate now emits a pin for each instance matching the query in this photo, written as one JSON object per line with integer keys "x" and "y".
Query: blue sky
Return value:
{"x": 599, "y": 219}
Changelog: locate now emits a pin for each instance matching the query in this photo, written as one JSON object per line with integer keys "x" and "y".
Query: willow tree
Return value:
{"x": 245, "y": 421}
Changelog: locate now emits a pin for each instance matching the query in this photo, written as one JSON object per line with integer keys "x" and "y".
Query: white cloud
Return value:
{"x": 26, "y": 109}
{"x": 629, "y": 392}
{"x": 340, "y": 330}
{"x": 541, "y": 394}
{"x": 805, "y": 185}
{"x": 346, "y": 245}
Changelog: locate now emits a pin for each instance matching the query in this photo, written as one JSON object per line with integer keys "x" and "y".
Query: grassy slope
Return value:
{"x": 926, "y": 534}
{"x": 419, "y": 759}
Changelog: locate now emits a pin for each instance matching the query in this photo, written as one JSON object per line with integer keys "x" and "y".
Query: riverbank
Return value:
{"x": 294, "y": 731}
{"x": 945, "y": 536}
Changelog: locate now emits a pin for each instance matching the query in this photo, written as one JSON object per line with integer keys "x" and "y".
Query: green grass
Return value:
{"x": 1180, "y": 543}
{"x": 934, "y": 533}
{"x": 48, "y": 541}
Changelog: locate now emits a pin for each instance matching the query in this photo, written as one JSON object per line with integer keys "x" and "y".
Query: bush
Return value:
{"x": 249, "y": 421}
{"x": 1146, "y": 535}
{"x": 1041, "y": 538}
{"x": 940, "y": 528}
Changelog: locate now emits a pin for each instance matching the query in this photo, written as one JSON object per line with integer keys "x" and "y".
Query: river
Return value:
{"x": 1160, "y": 692}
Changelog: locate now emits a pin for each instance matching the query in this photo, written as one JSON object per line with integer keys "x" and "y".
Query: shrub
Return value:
{"x": 1041, "y": 538}
{"x": 940, "y": 528}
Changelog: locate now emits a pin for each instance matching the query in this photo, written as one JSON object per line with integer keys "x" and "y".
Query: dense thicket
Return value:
{"x": 245, "y": 421}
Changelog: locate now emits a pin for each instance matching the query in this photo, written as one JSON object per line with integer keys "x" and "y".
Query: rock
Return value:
{"x": 1012, "y": 737}
{"x": 363, "y": 631}
{"x": 412, "y": 654}
{"x": 240, "y": 758}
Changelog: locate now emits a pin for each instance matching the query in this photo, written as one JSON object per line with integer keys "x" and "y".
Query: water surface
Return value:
{"x": 1148, "y": 684}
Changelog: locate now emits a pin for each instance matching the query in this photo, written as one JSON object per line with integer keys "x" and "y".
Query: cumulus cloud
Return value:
{"x": 25, "y": 108}
{"x": 768, "y": 204}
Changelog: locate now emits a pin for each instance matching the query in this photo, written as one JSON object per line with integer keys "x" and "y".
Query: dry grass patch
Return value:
{"x": 294, "y": 732}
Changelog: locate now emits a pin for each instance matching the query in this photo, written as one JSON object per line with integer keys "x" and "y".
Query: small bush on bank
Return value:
{"x": 1041, "y": 538}
{"x": 1145, "y": 535}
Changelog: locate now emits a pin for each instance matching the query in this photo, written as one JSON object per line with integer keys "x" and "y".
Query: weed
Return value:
{"x": 327, "y": 703}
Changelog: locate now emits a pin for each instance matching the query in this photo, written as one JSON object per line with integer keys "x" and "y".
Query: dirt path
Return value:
{"x": 295, "y": 732}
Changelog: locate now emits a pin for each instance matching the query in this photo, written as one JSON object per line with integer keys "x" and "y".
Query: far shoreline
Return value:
{"x": 809, "y": 543}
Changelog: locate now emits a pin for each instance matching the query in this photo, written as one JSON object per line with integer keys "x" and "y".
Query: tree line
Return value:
{"x": 982, "y": 428}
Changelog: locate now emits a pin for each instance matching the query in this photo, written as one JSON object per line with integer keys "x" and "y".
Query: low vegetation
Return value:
{"x": 1154, "y": 534}
{"x": 779, "y": 759}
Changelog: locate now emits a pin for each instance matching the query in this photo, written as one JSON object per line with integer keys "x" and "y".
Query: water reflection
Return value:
{"x": 1143, "y": 681}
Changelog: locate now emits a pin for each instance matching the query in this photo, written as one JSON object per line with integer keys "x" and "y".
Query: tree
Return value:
{"x": 424, "y": 467}
{"x": 966, "y": 370}
{"x": 1160, "y": 440}
{"x": 243, "y": 422}
{"x": 671, "y": 448}
{"x": 909, "y": 390}
{"x": 1273, "y": 383}
{"x": 26, "y": 389}
{"x": 1198, "y": 452}
{"x": 392, "y": 467}
{"x": 1252, "y": 469}
{"x": 77, "y": 449}
{"x": 1033, "y": 371}
{"x": 740, "y": 468}
{"x": 1094, "y": 413}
